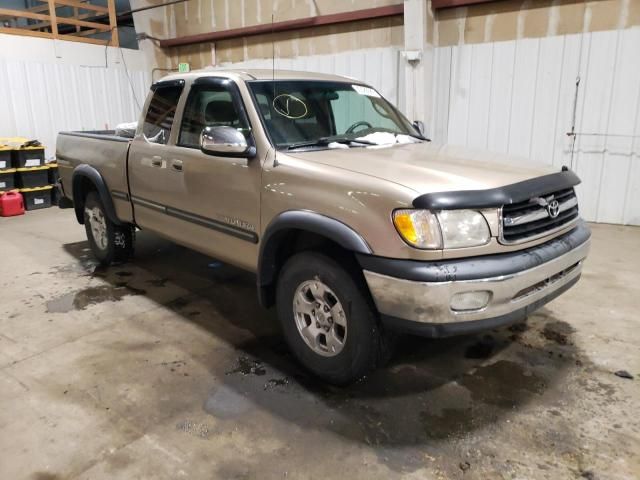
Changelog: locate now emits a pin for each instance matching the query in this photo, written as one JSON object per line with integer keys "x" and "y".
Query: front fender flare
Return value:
{"x": 303, "y": 220}
{"x": 87, "y": 172}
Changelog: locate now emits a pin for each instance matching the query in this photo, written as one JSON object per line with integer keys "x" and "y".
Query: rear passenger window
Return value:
{"x": 160, "y": 115}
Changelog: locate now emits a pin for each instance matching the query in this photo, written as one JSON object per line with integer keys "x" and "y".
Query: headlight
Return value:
{"x": 463, "y": 228}
{"x": 419, "y": 228}
{"x": 444, "y": 229}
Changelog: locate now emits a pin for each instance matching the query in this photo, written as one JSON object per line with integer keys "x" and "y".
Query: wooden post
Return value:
{"x": 53, "y": 19}
{"x": 113, "y": 23}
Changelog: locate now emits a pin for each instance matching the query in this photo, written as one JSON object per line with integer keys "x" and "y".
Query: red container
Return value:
{"x": 11, "y": 204}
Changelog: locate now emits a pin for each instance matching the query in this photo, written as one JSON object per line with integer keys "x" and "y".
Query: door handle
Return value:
{"x": 156, "y": 161}
{"x": 177, "y": 165}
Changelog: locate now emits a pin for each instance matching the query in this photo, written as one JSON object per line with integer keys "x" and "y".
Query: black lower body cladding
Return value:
{"x": 474, "y": 268}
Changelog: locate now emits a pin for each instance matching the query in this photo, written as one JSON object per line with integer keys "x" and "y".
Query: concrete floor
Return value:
{"x": 167, "y": 368}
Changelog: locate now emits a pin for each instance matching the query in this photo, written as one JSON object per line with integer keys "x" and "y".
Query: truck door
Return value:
{"x": 151, "y": 181}
{"x": 214, "y": 200}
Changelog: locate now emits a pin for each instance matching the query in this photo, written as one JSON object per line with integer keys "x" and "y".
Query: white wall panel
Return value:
{"x": 518, "y": 96}
{"x": 376, "y": 66}
{"x": 480, "y": 95}
{"x": 459, "y": 94}
{"x": 501, "y": 88}
{"x": 49, "y": 86}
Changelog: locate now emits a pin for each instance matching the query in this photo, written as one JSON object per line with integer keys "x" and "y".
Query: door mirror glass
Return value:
{"x": 225, "y": 141}
{"x": 419, "y": 125}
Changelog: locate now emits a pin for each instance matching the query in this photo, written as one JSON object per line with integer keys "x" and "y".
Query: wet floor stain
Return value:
{"x": 44, "y": 476}
{"x": 178, "y": 303}
{"x": 483, "y": 348}
{"x": 224, "y": 402}
{"x": 80, "y": 300}
{"x": 449, "y": 423}
{"x": 276, "y": 382}
{"x": 503, "y": 383}
{"x": 158, "y": 282}
{"x": 558, "y": 332}
{"x": 248, "y": 366}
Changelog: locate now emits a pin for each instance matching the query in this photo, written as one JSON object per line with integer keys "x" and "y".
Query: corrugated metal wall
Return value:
{"x": 378, "y": 67}
{"x": 518, "y": 97}
{"x": 41, "y": 99}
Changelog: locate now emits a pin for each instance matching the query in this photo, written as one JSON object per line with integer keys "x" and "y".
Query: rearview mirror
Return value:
{"x": 225, "y": 142}
{"x": 419, "y": 125}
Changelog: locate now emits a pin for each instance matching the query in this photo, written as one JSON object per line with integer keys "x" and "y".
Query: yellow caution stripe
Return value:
{"x": 32, "y": 169}
{"x": 35, "y": 189}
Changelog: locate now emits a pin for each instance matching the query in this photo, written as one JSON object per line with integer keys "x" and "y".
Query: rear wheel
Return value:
{"x": 109, "y": 242}
{"x": 328, "y": 319}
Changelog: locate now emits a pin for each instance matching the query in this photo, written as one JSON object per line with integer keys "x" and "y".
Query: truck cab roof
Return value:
{"x": 258, "y": 74}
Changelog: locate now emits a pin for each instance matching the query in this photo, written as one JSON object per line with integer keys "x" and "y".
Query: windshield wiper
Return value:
{"x": 324, "y": 141}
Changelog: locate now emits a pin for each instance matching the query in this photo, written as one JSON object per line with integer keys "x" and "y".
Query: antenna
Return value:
{"x": 273, "y": 76}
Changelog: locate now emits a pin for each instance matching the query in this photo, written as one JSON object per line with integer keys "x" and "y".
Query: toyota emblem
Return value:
{"x": 553, "y": 208}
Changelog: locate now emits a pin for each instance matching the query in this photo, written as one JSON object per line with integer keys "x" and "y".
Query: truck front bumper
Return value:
{"x": 426, "y": 297}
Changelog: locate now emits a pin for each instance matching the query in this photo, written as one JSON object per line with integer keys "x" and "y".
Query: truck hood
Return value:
{"x": 428, "y": 168}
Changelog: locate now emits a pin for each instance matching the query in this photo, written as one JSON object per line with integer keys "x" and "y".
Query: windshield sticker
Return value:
{"x": 290, "y": 106}
{"x": 369, "y": 92}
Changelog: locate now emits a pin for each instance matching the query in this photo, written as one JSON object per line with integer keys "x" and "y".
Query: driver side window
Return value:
{"x": 208, "y": 106}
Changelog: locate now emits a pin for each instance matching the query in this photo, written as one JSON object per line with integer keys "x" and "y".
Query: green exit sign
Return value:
{"x": 183, "y": 68}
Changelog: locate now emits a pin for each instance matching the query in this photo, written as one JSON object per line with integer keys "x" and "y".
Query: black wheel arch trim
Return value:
{"x": 84, "y": 171}
{"x": 474, "y": 268}
{"x": 304, "y": 220}
{"x": 497, "y": 197}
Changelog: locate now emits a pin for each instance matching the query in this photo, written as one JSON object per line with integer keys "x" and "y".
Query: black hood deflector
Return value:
{"x": 497, "y": 197}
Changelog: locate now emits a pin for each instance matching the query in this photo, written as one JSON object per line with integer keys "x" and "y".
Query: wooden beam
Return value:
{"x": 84, "y": 33}
{"x": 7, "y": 12}
{"x": 54, "y": 22}
{"x": 82, "y": 23}
{"x": 36, "y": 26}
{"x": 25, "y": 33}
{"x": 69, "y": 3}
{"x": 81, "y": 4}
{"x": 113, "y": 23}
{"x": 75, "y": 38}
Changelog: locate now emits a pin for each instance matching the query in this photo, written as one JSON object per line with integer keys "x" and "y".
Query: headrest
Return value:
{"x": 220, "y": 111}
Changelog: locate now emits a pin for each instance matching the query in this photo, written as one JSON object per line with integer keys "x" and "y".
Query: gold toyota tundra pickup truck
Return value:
{"x": 356, "y": 226}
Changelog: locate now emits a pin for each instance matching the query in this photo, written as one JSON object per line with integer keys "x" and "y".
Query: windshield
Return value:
{"x": 313, "y": 113}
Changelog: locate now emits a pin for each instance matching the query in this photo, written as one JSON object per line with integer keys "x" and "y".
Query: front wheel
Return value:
{"x": 328, "y": 320}
{"x": 109, "y": 242}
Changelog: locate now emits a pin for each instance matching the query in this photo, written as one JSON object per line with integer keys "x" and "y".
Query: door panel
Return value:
{"x": 219, "y": 194}
{"x": 206, "y": 202}
{"x": 151, "y": 178}
{"x": 220, "y": 197}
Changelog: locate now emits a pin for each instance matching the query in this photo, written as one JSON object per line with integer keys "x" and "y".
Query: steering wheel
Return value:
{"x": 361, "y": 123}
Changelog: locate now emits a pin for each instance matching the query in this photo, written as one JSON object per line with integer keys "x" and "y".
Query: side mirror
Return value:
{"x": 225, "y": 142}
{"x": 419, "y": 126}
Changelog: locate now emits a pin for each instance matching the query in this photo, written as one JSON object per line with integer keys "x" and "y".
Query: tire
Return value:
{"x": 354, "y": 345}
{"x": 110, "y": 243}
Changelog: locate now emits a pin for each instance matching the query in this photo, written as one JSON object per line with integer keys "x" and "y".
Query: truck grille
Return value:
{"x": 538, "y": 216}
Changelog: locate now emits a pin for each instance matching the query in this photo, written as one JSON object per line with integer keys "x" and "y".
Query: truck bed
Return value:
{"x": 103, "y": 150}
